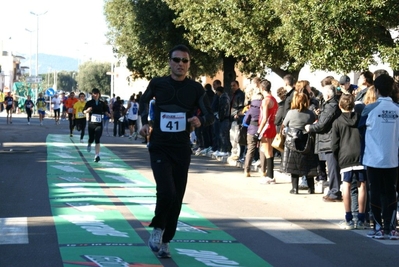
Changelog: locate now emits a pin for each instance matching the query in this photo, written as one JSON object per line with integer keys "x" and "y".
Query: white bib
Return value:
{"x": 96, "y": 118}
{"x": 81, "y": 115}
{"x": 173, "y": 122}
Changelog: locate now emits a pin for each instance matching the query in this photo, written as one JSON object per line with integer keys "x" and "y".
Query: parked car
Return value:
{"x": 106, "y": 97}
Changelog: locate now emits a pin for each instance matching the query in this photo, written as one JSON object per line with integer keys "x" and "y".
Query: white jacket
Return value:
{"x": 382, "y": 133}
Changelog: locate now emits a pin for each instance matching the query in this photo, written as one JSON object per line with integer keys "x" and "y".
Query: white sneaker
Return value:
{"x": 164, "y": 251}
{"x": 222, "y": 154}
{"x": 267, "y": 180}
{"x": 394, "y": 235}
{"x": 272, "y": 181}
{"x": 155, "y": 239}
{"x": 303, "y": 184}
{"x": 28, "y": 123}
{"x": 205, "y": 151}
{"x": 214, "y": 153}
{"x": 256, "y": 163}
{"x": 198, "y": 151}
{"x": 81, "y": 140}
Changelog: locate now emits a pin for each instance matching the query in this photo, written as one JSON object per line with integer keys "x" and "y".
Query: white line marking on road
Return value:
{"x": 286, "y": 231}
{"x": 14, "y": 231}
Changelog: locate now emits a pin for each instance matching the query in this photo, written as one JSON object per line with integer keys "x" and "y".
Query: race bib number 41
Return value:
{"x": 96, "y": 118}
{"x": 173, "y": 122}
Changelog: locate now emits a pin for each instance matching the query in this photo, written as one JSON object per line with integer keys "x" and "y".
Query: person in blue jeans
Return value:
{"x": 252, "y": 119}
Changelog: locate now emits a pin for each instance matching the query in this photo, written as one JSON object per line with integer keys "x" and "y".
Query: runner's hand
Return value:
{"x": 194, "y": 121}
{"x": 145, "y": 130}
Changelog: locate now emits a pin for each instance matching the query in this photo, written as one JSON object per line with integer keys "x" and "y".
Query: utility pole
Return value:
{"x": 37, "y": 39}
{"x": 37, "y": 48}
{"x": 30, "y": 52}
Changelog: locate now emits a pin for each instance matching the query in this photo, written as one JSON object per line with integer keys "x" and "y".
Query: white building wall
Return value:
{"x": 124, "y": 85}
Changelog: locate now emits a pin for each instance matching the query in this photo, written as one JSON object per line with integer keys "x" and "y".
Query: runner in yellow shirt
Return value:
{"x": 79, "y": 117}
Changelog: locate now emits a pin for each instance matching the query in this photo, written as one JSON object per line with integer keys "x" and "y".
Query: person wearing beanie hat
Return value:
{"x": 346, "y": 86}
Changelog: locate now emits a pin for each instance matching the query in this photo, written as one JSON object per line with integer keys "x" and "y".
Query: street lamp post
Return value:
{"x": 37, "y": 39}
{"x": 37, "y": 48}
{"x": 30, "y": 52}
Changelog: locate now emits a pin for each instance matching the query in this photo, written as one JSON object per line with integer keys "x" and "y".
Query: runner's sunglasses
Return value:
{"x": 178, "y": 59}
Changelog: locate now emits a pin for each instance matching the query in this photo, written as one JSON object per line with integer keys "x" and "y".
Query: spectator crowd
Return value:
{"x": 337, "y": 134}
{"x": 341, "y": 135}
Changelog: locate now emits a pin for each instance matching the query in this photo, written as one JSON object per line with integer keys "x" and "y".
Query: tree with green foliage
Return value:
{"x": 239, "y": 30}
{"x": 94, "y": 74}
{"x": 338, "y": 35}
{"x": 65, "y": 80}
{"x": 144, "y": 32}
{"x": 282, "y": 35}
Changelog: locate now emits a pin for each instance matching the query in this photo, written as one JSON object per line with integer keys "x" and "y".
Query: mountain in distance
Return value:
{"x": 50, "y": 63}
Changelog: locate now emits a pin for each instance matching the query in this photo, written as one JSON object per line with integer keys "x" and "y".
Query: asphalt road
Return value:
{"x": 280, "y": 228}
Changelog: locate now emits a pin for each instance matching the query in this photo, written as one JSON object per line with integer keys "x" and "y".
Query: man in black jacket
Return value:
{"x": 176, "y": 99}
{"x": 236, "y": 117}
{"x": 224, "y": 119}
{"x": 323, "y": 128}
{"x": 365, "y": 81}
{"x": 289, "y": 86}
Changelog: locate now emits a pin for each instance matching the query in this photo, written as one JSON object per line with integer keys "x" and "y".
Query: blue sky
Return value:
{"x": 73, "y": 28}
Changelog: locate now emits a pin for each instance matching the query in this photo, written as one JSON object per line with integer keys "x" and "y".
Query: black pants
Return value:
{"x": 95, "y": 131}
{"x": 29, "y": 113}
{"x": 56, "y": 114}
{"x": 333, "y": 174}
{"x": 215, "y": 135}
{"x": 224, "y": 136}
{"x": 170, "y": 168}
{"x": 81, "y": 125}
{"x": 71, "y": 122}
{"x": 118, "y": 127}
{"x": 383, "y": 186}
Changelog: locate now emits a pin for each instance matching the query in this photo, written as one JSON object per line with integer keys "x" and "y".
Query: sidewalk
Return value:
{"x": 229, "y": 160}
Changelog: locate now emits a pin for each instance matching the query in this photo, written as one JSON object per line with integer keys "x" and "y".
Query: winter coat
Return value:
{"x": 346, "y": 140}
{"x": 323, "y": 127}
{"x": 237, "y": 105}
{"x": 253, "y": 116}
{"x": 294, "y": 162}
{"x": 224, "y": 107}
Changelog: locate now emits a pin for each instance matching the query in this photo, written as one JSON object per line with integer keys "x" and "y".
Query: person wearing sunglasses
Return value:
{"x": 96, "y": 108}
{"x": 177, "y": 98}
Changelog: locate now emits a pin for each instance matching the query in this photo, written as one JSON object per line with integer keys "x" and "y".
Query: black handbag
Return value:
{"x": 297, "y": 140}
{"x": 242, "y": 135}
